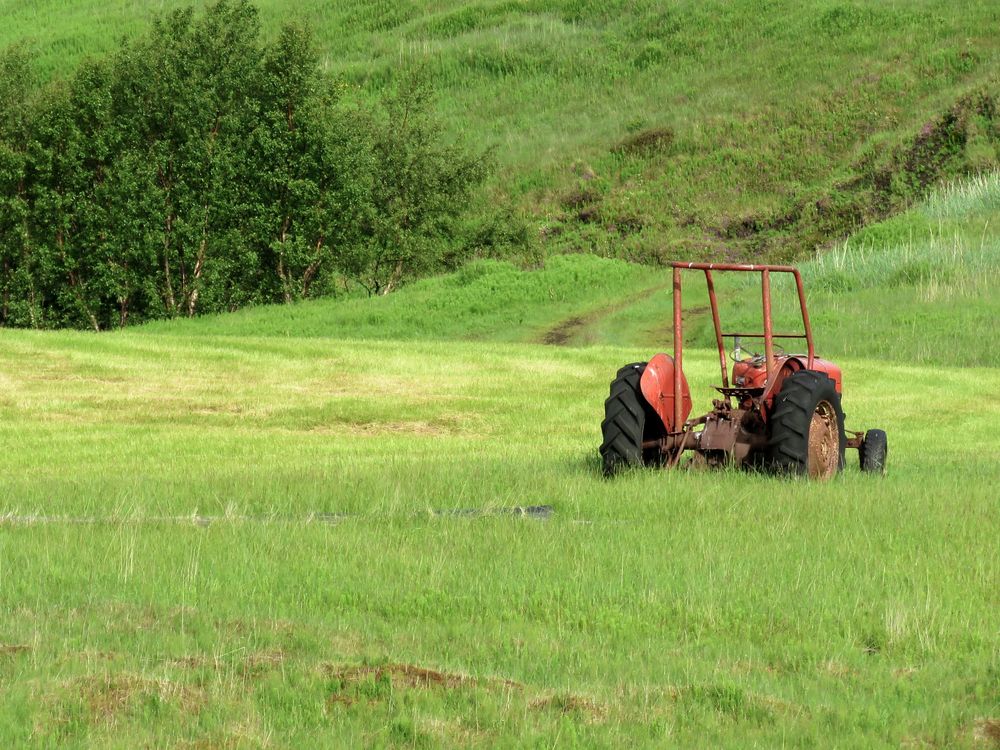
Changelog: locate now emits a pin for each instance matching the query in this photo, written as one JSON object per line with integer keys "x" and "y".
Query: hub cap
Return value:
{"x": 824, "y": 442}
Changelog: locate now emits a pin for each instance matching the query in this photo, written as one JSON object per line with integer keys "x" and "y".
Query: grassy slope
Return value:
{"x": 204, "y": 536}
{"x": 770, "y": 107}
{"x": 923, "y": 288}
{"x": 485, "y": 300}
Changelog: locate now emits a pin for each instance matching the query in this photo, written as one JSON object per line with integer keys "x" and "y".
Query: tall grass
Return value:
{"x": 964, "y": 264}
{"x": 978, "y": 195}
{"x": 921, "y": 287}
{"x": 945, "y": 241}
{"x": 349, "y": 575}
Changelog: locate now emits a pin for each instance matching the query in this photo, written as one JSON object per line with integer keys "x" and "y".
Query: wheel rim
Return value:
{"x": 824, "y": 442}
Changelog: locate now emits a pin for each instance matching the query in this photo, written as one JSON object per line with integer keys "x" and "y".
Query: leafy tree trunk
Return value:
{"x": 168, "y": 284}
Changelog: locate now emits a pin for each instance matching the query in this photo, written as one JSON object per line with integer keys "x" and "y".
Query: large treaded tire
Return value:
{"x": 788, "y": 446}
{"x": 628, "y": 421}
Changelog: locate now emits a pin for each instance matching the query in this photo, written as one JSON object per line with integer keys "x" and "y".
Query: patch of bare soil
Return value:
{"x": 837, "y": 669}
{"x": 340, "y": 699}
{"x": 193, "y": 662}
{"x": 689, "y": 315}
{"x": 411, "y": 675}
{"x": 415, "y": 427}
{"x": 745, "y": 666}
{"x": 108, "y": 697}
{"x": 253, "y": 665}
{"x": 646, "y": 142}
{"x": 262, "y": 662}
{"x": 352, "y": 689}
{"x": 565, "y": 331}
{"x": 591, "y": 710}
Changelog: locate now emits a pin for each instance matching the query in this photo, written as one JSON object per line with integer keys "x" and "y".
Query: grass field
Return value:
{"x": 224, "y": 534}
{"x": 381, "y": 522}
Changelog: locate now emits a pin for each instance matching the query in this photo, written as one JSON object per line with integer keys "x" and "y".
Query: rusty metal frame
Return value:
{"x": 768, "y": 335}
{"x": 736, "y": 429}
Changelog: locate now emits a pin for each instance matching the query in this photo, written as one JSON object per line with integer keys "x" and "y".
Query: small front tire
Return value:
{"x": 873, "y": 452}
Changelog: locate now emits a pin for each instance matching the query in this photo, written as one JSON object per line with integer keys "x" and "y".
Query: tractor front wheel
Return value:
{"x": 873, "y": 451}
{"x": 628, "y": 421}
{"x": 807, "y": 427}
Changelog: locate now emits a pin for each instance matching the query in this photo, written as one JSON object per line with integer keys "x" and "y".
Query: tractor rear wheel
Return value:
{"x": 873, "y": 451}
{"x": 807, "y": 427}
{"x": 628, "y": 421}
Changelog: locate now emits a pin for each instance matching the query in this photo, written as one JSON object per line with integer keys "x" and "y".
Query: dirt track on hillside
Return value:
{"x": 564, "y": 332}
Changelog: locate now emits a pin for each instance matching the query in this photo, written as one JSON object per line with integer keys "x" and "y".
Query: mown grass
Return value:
{"x": 206, "y": 539}
{"x": 646, "y": 130}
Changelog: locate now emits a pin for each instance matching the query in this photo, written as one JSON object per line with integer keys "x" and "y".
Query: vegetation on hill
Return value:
{"x": 650, "y": 130}
{"x": 922, "y": 287}
{"x": 196, "y": 170}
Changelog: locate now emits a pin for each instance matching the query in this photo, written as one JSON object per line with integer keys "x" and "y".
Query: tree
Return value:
{"x": 421, "y": 186}
{"x": 184, "y": 90}
{"x": 307, "y": 203}
{"x": 18, "y": 303}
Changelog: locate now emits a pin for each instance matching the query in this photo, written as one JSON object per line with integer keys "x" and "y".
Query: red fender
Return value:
{"x": 657, "y": 385}
{"x": 795, "y": 362}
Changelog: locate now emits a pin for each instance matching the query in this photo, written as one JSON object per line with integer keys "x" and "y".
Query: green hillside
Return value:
{"x": 923, "y": 288}
{"x": 646, "y": 129}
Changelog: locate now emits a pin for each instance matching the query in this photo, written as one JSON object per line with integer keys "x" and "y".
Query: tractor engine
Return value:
{"x": 750, "y": 373}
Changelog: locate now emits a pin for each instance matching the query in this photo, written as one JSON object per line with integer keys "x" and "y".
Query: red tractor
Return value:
{"x": 780, "y": 412}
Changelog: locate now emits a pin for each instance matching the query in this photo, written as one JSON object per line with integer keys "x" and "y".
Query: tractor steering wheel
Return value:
{"x": 754, "y": 358}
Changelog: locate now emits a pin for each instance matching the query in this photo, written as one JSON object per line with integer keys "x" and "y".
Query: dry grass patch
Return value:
{"x": 109, "y": 697}
{"x": 591, "y": 711}
{"x": 416, "y": 427}
{"x": 259, "y": 663}
{"x": 413, "y": 676}
{"x": 987, "y": 732}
